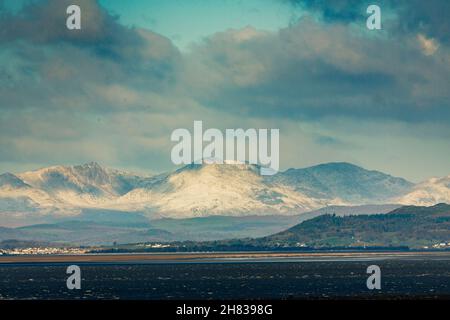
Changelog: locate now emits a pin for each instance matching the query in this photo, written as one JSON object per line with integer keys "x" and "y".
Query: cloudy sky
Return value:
{"x": 114, "y": 91}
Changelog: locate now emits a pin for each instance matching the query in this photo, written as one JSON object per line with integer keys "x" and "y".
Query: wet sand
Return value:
{"x": 226, "y": 276}
{"x": 221, "y": 257}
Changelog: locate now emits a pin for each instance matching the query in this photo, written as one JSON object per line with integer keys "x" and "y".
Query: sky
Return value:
{"x": 114, "y": 91}
{"x": 187, "y": 22}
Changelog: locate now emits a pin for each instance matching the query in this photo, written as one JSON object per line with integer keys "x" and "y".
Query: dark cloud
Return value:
{"x": 429, "y": 17}
{"x": 313, "y": 70}
{"x": 44, "y": 21}
{"x": 73, "y": 66}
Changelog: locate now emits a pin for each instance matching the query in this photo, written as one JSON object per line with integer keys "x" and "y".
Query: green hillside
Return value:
{"x": 406, "y": 226}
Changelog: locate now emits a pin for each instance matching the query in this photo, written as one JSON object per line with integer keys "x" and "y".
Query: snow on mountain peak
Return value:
{"x": 211, "y": 188}
{"x": 8, "y": 180}
{"x": 215, "y": 189}
{"x": 346, "y": 181}
{"x": 430, "y": 192}
{"x": 82, "y": 185}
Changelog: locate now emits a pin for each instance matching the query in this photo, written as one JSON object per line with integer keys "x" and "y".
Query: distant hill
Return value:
{"x": 351, "y": 210}
{"x": 406, "y": 226}
{"x": 16, "y": 244}
{"x": 103, "y": 227}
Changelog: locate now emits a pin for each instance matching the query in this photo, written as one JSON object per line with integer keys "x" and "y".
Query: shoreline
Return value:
{"x": 218, "y": 257}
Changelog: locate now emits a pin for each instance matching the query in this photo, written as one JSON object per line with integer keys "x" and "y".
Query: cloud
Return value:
{"x": 114, "y": 94}
{"x": 73, "y": 69}
{"x": 312, "y": 70}
{"x": 400, "y": 17}
{"x": 44, "y": 21}
{"x": 329, "y": 141}
{"x": 61, "y": 91}
{"x": 429, "y": 46}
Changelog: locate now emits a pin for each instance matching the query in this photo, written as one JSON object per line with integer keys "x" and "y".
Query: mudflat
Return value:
{"x": 219, "y": 256}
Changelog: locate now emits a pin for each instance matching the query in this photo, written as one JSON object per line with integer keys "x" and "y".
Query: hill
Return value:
{"x": 406, "y": 226}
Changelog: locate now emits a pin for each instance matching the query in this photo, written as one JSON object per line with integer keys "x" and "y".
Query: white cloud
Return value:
{"x": 428, "y": 45}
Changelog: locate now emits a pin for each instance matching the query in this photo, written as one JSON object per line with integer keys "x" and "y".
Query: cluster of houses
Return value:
{"x": 42, "y": 250}
{"x": 441, "y": 245}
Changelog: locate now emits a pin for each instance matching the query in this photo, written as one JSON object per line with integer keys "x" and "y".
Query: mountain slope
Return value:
{"x": 18, "y": 196}
{"x": 91, "y": 226}
{"x": 207, "y": 190}
{"x": 406, "y": 226}
{"x": 83, "y": 185}
{"x": 8, "y": 180}
{"x": 346, "y": 181}
{"x": 432, "y": 191}
{"x": 213, "y": 189}
{"x": 42, "y": 195}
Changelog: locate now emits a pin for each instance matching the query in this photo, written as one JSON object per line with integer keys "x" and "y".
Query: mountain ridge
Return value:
{"x": 202, "y": 190}
{"x": 328, "y": 179}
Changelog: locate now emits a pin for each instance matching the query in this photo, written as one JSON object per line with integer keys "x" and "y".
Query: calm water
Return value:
{"x": 233, "y": 280}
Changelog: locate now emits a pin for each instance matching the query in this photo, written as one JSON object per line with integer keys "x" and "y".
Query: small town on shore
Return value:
{"x": 158, "y": 247}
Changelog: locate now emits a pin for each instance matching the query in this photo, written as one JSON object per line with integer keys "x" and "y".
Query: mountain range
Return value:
{"x": 204, "y": 190}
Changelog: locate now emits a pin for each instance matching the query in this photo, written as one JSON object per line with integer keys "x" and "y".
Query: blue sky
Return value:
{"x": 185, "y": 22}
{"x": 114, "y": 91}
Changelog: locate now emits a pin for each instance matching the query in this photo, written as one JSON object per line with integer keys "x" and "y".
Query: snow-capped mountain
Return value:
{"x": 428, "y": 193}
{"x": 344, "y": 181}
{"x": 21, "y": 204}
{"x": 8, "y": 180}
{"x": 214, "y": 189}
{"x": 60, "y": 191}
{"x": 83, "y": 185}
{"x": 207, "y": 190}
{"x": 13, "y": 189}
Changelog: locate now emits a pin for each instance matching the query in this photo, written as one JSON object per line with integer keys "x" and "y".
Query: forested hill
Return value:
{"x": 406, "y": 226}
